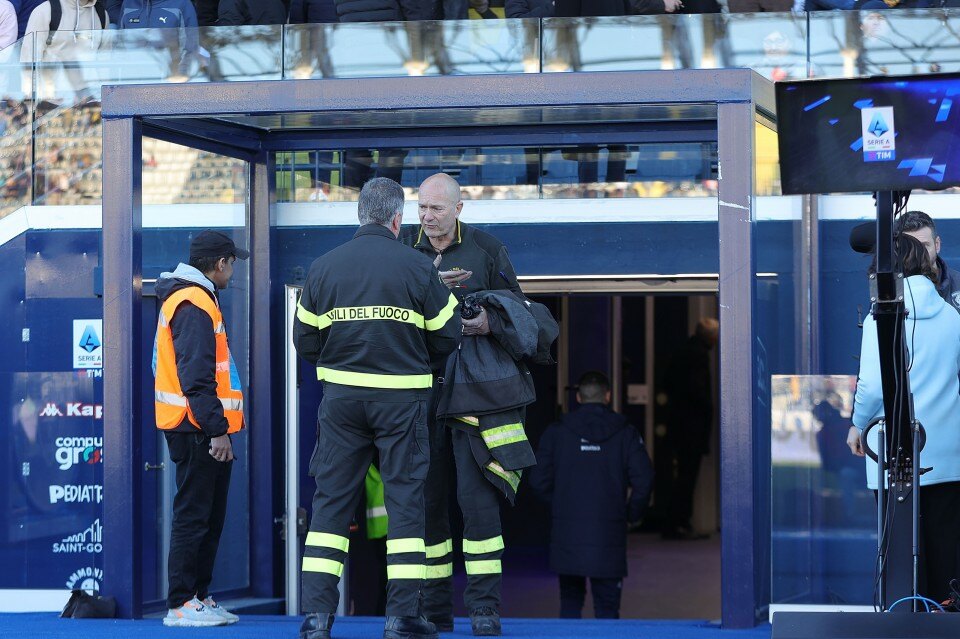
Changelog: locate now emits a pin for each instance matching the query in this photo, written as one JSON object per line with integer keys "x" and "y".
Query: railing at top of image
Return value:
{"x": 51, "y": 84}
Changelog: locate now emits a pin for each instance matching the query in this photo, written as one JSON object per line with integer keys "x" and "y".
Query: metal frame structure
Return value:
{"x": 221, "y": 118}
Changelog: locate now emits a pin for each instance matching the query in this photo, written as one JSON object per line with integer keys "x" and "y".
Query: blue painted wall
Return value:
{"x": 49, "y": 282}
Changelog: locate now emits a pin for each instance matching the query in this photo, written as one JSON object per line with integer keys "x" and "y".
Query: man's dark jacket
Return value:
{"x": 384, "y": 10}
{"x": 313, "y": 11}
{"x": 195, "y": 346}
{"x": 529, "y": 8}
{"x": 949, "y": 286}
{"x": 472, "y": 250}
{"x": 585, "y": 464}
{"x": 240, "y": 12}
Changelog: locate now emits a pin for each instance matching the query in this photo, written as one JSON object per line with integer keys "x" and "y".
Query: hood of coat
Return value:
{"x": 922, "y": 299}
{"x": 594, "y": 422}
{"x": 183, "y": 275}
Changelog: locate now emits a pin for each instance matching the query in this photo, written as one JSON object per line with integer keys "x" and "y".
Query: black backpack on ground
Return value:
{"x": 84, "y": 606}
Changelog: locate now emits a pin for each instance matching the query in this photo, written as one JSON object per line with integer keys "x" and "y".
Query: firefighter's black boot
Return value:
{"x": 485, "y": 622}
{"x": 409, "y": 628}
{"x": 316, "y": 626}
{"x": 443, "y": 624}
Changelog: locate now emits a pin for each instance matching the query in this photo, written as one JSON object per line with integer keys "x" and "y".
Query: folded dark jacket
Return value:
{"x": 485, "y": 374}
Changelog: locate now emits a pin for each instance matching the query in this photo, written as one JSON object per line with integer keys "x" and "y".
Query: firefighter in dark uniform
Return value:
{"x": 587, "y": 465}
{"x": 375, "y": 319}
{"x": 469, "y": 260}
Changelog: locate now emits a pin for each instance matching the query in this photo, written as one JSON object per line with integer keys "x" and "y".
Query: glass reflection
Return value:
{"x": 515, "y": 173}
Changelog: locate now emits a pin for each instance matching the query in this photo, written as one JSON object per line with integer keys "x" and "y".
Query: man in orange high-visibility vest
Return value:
{"x": 199, "y": 404}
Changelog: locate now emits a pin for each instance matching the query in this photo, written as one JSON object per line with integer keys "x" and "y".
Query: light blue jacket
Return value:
{"x": 932, "y": 335}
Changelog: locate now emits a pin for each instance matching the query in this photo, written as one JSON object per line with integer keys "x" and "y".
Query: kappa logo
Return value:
{"x": 51, "y": 410}
{"x": 74, "y": 409}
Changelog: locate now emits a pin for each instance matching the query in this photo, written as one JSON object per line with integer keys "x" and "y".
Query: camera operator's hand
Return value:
{"x": 479, "y": 325}
{"x": 853, "y": 441}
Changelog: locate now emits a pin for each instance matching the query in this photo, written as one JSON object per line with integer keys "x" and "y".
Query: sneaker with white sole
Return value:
{"x": 220, "y": 610}
{"x": 193, "y": 614}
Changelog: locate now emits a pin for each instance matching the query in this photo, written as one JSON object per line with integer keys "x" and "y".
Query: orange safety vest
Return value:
{"x": 170, "y": 403}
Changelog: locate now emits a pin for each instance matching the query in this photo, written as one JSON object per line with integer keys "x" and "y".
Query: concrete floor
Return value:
{"x": 668, "y": 580}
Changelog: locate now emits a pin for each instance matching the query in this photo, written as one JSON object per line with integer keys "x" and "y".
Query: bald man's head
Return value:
{"x": 439, "y": 207}
{"x": 443, "y": 183}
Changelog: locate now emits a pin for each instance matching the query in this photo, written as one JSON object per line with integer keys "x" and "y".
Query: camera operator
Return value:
{"x": 921, "y": 226}
{"x": 932, "y": 336}
{"x": 469, "y": 261}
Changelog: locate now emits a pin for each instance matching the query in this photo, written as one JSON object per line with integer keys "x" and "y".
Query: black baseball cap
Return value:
{"x": 215, "y": 244}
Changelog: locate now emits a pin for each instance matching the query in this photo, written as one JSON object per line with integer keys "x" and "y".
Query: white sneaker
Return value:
{"x": 193, "y": 614}
{"x": 220, "y": 610}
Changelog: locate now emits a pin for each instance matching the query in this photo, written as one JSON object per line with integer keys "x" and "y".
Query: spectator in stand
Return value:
{"x": 8, "y": 24}
{"x": 206, "y": 12}
{"x": 530, "y": 8}
{"x": 56, "y": 42}
{"x": 759, "y": 6}
{"x": 169, "y": 14}
{"x": 24, "y": 8}
{"x": 313, "y": 11}
{"x": 240, "y": 12}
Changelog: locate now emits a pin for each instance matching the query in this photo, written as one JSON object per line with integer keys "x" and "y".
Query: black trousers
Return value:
{"x": 681, "y": 499}
{"x": 479, "y": 502}
{"x": 349, "y": 428}
{"x": 606, "y": 596}
{"x": 940, "y": 538}
{"x": 199, "y": 510}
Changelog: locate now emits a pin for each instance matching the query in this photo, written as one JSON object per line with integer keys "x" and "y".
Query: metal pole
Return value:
{"x": 616, "y": 351}
{"x": 292, "y": 456}
{"x": 739, "y": 439}
{"x": 122, "y": 396}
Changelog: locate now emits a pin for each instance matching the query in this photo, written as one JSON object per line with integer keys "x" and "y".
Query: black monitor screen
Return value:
{"x": 869, "y": 134}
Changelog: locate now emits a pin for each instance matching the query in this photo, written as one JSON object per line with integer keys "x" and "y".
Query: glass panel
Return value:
{"x": 824, "y": 518}
{"x": 625, "y": 43}
{"x": 511, "y": 173}
{"x": 412, "y": 48}
{"x": 16, "y": 148}
{"x": 217, "y": 187}
{"x": 772, "y": 44}
{"x": 847, "y": 44}
{"x": 73, "y": 73}
{"x": 174, "y": 174}
{"x": 767, "y": 161}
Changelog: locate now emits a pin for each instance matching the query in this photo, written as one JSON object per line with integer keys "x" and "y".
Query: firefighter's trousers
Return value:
{"x": 479, "y": 502}
{"x": 351, "y": 423}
